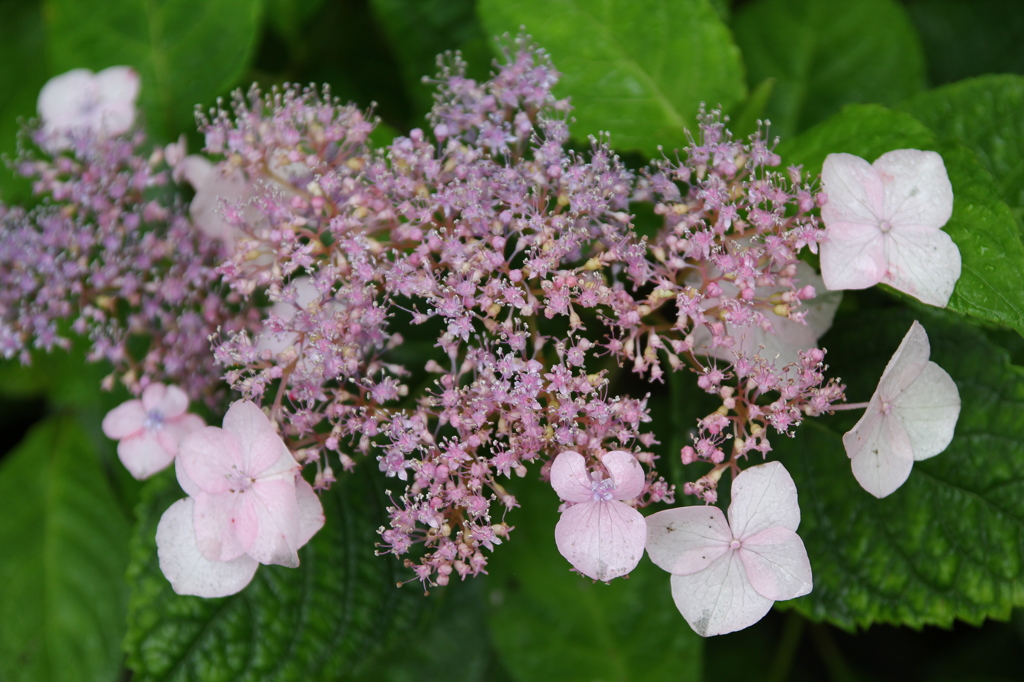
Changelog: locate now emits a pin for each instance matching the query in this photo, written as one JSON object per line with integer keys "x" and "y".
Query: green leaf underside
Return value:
{"x": 65, "y": 548}
{"x": 984, "y": 114}
{"x": 948, "y": 544}
{"x": 825, "y": 55}
{"x": 551, "y": 624}
{"x": 326, "y": 619}
{"x": 636, "y": 68}
{"x": 187, "y": 52}
{"x": 991, "y": 285}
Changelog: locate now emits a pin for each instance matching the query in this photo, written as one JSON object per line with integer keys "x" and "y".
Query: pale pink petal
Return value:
{"x": 193, "y": 169}
{"x": 719, "y": 599}
{"x": 917, "y": 188}
{"x": 210, "y": 457}
{"x": 763, "y": 496}
{"x": 905, "y": 365}
{"x": 852, "y": 256}
{"x": 63, "y": 97}
{"x": 570, "y": 477}
{"x": 125, "y": 420}
{"x": 277, "y": 509}
{"x": 776, "y": 563}
{"x": 627, "y": 475}
{"x": 284, "y": 467}
{"x": 153, "y": 395}
{"x": 213, "y": 193}
{"x": 185, "y": 567}
{"x": 118, "y": 84}
{"x": 855, "y": 191}
{"x": 186, "y": 483}
{"x": 170, "y": 401}
{"x": 685, "y": 540}
{"x": 880, "y": 452}
{"x": 928, "y": 410}
{"x": 226, "y": 525}
{"x": 257, "y": 440}
{"x": 601, "y": 539}
{"x": 184, "y": 425}
{"x": 167, "y": 438}
{"x": 311, "y": 512}
{"x": 143, "y": 454}
{"x": 923, "y": 262}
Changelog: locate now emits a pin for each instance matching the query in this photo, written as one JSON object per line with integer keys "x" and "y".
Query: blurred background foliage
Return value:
{"x": 636, "y": 68}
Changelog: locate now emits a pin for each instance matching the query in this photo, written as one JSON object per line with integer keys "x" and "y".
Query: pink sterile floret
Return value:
{"x": 149, "y": 430}
{"x": 83, "y": 103}
{"x": 884, "y": 221}
{"x": 247, "y": 505}
{"x": 911, "y": 416}
{"x": 602, "y": 537}
{"x": 727, "y": 574}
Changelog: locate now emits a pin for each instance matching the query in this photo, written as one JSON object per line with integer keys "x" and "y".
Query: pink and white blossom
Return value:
{"x": 149, "y": 430}
{"x": 80, "y": 102}
{"x": 600, "y": 535}
{"x": 884, "y": 221}
{"x": 727, "y": 574}
{"x": 911, "y": 416}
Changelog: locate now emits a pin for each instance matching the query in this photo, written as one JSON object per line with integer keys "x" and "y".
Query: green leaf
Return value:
{"x": 65, "y": 548}
{"x": 824, "y": 55}
{"x": 21, "y": 43}
{"x": 985, "y": 115}
{"x": 325, "y": 620}
{"x": 550, "y": 624}
{"x": 991, "y": 285}
{"x": 419, "y": 30}
{"x": 949, "y": 544}
{"x": 964, "y": 39}
{"x": 638, "y": 69}
{"x": 187, "y": 51}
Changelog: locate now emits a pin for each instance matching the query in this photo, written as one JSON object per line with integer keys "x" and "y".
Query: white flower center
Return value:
{"x": 154, "y": 420}
{"x": 885, "y": 226}
{"x": 602, "y": 489}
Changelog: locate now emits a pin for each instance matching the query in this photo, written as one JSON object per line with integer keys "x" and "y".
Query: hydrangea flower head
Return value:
{"x": 884, "y": 221}
{"x": 910, "y": 417}
{"x": 727, "y": 574}
{"x": 601, "y": 536}
{"x": 149, "y": 430}
{"x": 81, "y": 102}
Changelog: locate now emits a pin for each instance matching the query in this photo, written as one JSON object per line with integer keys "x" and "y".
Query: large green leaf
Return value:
{"x": 65, "y": 548}
{"x": 949, "y": 544}
{"x": 325, "y": 620}
{"x": 419, "y": 30}
{"x": 187, "y": 51}
{"x": 991, "y": 284}
{"x": 21, "y": 43}
{"x": 827, "y": 54}
{"x": 985, "y": 115}
{"x": 638, "y": 69}
{"x": 551, "y": 624}
{"x": 965, "y": 39}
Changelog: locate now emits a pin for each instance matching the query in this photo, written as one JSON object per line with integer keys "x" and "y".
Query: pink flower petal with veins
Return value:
{"x": 685, "y": 540}
{"x": 627, "y": 475}
{"x": 884, "y": 224}
{"x": 911, "y": 416}
{"x": 602, "y": 540}
{"x": 726, "y": 576}
{"x": 185, "y": 567}
{"x": 570, "y": 477}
